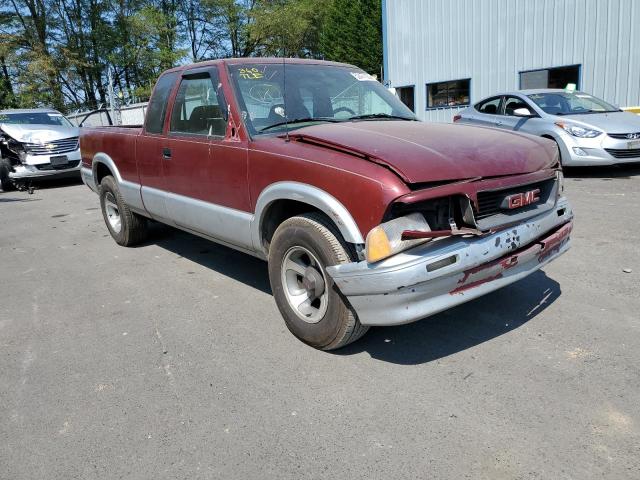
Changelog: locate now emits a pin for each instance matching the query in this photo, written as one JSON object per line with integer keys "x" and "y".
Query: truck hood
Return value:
{"x": 28, "y": 133}
{"x": 431, "y": 152}
{"x": 613, "y": 122}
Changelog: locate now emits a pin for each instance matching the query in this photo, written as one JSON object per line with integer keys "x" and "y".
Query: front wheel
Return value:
{"x": 126, "y": 228}
{"x": 313, "y": 308}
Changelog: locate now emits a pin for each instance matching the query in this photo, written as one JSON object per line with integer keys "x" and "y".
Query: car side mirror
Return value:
{"x": 523, "y": 112}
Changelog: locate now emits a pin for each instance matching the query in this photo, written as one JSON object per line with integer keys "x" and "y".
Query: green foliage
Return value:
{"x": 352, "y": 33}
{"x": 60, "y": 52}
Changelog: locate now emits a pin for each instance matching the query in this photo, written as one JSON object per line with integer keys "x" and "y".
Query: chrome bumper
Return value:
{"x": 87, "y": 177}
{"x": 444, "y": 273}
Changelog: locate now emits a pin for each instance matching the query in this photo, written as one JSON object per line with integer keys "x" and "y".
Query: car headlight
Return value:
{"x": 385, "y": 240}
{"x": 578, "y": 131}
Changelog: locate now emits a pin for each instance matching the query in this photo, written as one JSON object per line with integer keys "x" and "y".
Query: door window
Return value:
{"x": 490, "y": 106}
{"x": 513, "y": 103}
{"x": 198, "y": 109}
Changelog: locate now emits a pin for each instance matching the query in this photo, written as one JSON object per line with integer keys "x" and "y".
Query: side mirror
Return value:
{"x": 523, "y": 112}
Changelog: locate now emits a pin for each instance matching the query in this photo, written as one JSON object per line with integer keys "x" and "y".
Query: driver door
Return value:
{"x": 205, "y": 163}
{"x": 508, "y": 120}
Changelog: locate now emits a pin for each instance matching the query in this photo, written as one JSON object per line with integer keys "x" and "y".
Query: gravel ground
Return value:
{"x": 171, "y": 361}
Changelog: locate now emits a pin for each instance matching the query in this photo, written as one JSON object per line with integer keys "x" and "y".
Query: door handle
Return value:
{"x": 166, "y": 153}
{"x": 498, "y": 123}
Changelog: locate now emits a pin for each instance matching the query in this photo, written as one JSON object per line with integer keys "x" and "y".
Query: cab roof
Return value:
{"x": 254, "y": 60}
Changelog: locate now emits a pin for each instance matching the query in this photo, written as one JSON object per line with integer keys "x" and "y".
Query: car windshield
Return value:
{"x": 36, "y": 118}
{"x": 311, "y": 94}
{"x": 566, "y": 103}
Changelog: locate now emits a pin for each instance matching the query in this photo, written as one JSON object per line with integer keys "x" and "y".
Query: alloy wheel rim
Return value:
{"x": 113, "y": 213}
{"x": 304, "y": 284}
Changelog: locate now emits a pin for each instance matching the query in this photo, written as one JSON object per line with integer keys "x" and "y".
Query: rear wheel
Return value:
{"x": 126, "y": 228}
{"x": 313, "y": 308}
{"x": 5, "y": 181}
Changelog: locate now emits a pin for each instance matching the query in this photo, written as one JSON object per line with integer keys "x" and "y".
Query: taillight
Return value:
{"x": 457, "y": 117}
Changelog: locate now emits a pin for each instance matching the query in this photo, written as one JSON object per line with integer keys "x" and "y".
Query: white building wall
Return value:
{"x": 491, "y": 41}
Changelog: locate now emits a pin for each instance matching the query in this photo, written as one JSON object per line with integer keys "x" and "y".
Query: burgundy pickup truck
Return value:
{"x": 365, "y": 215}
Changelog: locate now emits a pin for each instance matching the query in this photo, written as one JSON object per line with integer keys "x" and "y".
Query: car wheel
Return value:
{"x": 313, "y": 308}
{"x": 126, "y": 228}
{"x": 5, "y": 181}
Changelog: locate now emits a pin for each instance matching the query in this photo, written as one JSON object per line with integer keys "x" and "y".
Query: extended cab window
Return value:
{"x": 157, "y": 109}
{"x": 197, "y": 109}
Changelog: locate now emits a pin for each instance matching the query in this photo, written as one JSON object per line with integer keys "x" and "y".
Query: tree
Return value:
{"x": 289, "y": 27}
{"x": 60, "y": 52}
{"x": 352, "y": 33}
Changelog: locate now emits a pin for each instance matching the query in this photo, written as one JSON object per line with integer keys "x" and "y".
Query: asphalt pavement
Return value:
{"x": 171, "y": 361}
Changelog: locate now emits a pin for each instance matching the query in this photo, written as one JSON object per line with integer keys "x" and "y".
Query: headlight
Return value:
{"x": 578, "y": 131}
{"x": 385, "y": 239}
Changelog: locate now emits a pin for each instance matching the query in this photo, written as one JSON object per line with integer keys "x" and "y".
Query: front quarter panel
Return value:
{"x": 363, "y": 188}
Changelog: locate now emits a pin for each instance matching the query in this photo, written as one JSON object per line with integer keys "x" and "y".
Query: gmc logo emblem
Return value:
{"x": 519, "y": 200}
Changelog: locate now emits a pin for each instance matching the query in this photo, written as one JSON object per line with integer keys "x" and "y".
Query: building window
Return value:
{"x": 407, "y": 96}
{"x": 558, "y": 77}
{"x": 448, "y": 94}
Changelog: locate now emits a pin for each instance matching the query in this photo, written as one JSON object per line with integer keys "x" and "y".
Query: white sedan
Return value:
{"x": 588, "y": 130}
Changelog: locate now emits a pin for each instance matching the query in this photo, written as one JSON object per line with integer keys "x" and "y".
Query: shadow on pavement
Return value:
{"x": 436, "y": 337}
{"x": 44, "y": 184}
{"x": 462, "y": 327}
{"x": 4, "y": 199}
{"x": 237, "y": 265}
{"x": 604, "y": 173}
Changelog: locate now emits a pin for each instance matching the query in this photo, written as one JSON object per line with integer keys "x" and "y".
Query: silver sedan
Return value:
{"x": 588, "y": 131}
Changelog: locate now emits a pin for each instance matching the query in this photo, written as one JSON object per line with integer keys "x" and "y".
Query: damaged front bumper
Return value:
{"x": 444, "y": 273}
{"x": 43, "y": 166}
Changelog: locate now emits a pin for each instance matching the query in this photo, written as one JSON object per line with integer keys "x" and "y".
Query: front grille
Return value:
{"x": 62, "y": 166}
{"x": 623, "y": 136}
{"x": 54, "y": 147}
{"x": 489, "y": 202}
{"x": 623, "y": 153}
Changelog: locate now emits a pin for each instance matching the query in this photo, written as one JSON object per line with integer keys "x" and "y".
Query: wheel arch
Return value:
{"x": 103, "y": 165}
{"x": 283, "y": 200}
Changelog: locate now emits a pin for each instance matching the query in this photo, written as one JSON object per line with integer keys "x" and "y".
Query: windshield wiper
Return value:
{"x": 300, "y": 120}
{"x": 587, "y": 112}
{"x": 368, "y": 116}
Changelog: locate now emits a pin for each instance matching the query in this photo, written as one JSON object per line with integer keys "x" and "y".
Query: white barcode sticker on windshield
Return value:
{"x": 54, "y": 115}
{"x": 363, "y": 77}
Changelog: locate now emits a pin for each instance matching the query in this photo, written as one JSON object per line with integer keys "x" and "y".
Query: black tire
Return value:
{"x": 313, "y": 232}
{"x": 133, "y": 227}
{"x": 5, "y": 181}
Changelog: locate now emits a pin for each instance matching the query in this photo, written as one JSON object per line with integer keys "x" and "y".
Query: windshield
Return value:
{"x": 314, "y": 93}
{"x": 565, "y": 103}
{"x": 36, "y": 118}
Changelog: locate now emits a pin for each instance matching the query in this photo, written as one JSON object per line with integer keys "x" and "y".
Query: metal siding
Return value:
{"x": 491, "y": 41}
